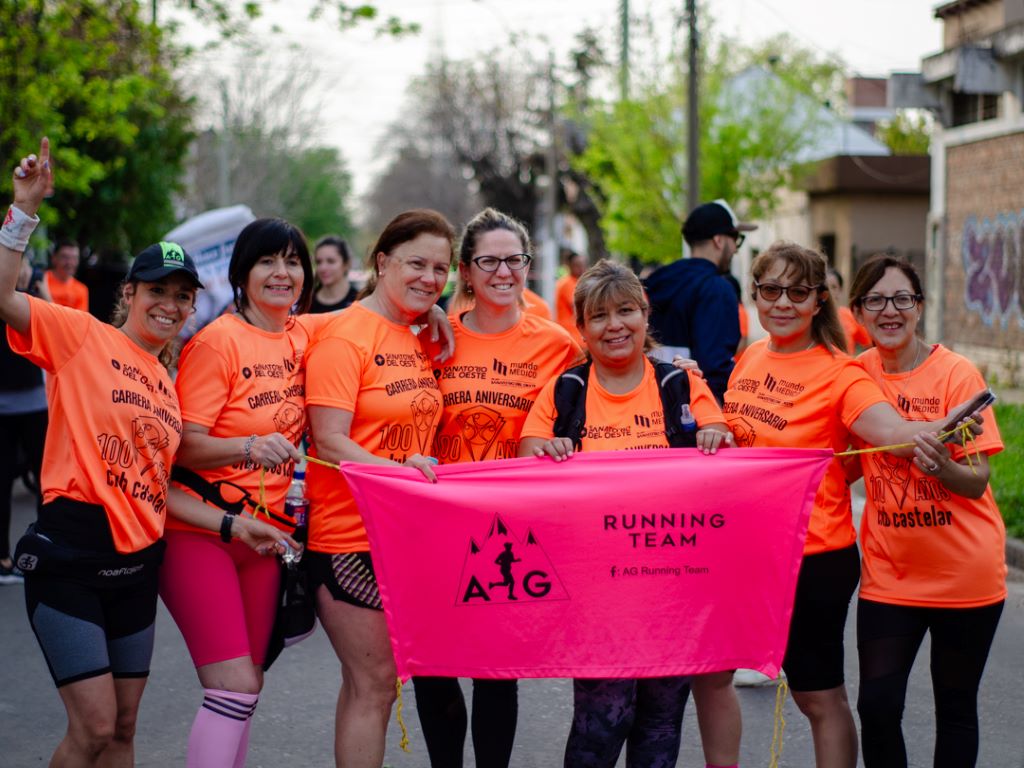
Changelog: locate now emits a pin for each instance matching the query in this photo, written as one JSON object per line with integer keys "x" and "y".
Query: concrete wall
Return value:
{"x": 866, "y": 224}
{"x": 973, "y": 23}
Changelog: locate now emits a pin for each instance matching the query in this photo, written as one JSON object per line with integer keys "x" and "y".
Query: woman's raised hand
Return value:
{"x": 32, "y": 178}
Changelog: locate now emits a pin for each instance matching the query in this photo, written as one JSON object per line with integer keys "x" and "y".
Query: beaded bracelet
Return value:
{"x": 247, "y": 450}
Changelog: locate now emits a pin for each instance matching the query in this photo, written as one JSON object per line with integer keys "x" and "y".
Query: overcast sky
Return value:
{"x": 364, "y": 77}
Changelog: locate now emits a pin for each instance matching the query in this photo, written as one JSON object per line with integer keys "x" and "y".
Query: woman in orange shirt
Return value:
{"x": 514, "y": 354}
{"x": 933, "y": 539}
{"x": 799, "y": 389}
{"x": 367, "y": 355}
{"x": 91, "y": 559}
{"x": 241, "y": 385}
{"x": 646, "y": 714}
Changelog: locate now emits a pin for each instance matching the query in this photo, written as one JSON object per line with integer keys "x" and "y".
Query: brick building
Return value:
{"x": 975, "y": 245}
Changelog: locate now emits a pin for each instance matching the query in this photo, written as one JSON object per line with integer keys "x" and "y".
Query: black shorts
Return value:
{"x": 814, "y": 652}
{"x": 349, "y": 577}
{"x": 85, "y": 631}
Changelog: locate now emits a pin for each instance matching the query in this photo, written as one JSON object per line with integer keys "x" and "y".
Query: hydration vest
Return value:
{"x": 673, "y": 386}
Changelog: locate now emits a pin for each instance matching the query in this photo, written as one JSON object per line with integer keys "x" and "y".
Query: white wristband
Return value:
{"x": 18, "y": 227}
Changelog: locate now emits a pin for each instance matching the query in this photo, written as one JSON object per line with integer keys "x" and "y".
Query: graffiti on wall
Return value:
{"x": 994, "y": 268}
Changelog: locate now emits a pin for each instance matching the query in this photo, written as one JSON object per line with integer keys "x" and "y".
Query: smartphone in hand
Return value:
{"x": 979, "y": 402}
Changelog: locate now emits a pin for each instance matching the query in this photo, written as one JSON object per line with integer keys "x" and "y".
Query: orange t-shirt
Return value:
{"x": 490, "y": 384}
{"x": 110, "y": 449}
{"x": 856, "y": 334}
{"x": 622, "y": 422}
{"x": 376, "y": 370}
{"x": 565, "y": 310}
{"x": 803, "y": 400}
{"x": 240, "y": 380}
{"x": 535, "y": 304}
{"x": 923, "y": 545}
{"x": 70, "y": 294}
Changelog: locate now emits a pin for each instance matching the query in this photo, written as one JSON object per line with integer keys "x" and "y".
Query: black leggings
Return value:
{"x": 442, "y": 711}
{"x": 888, "y": 639}
{"x": 646, "y": 715}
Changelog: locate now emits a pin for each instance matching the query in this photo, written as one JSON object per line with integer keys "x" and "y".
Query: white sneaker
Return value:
{"x": 751, "y": 678}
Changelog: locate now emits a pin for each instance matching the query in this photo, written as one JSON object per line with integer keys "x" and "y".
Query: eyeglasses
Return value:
{"x": 796, "y": 293}
{"x": 739, "y": 237}
{"x": 875, "y": 302}
{"x": 514, "y": 262}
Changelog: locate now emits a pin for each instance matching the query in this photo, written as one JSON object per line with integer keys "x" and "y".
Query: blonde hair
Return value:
{"x": 809, "y": 267}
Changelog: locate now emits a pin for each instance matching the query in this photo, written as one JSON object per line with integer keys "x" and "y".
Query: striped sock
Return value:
{"x": 221, "y": 729}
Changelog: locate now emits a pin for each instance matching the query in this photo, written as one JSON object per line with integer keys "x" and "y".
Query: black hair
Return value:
{"x": 267, "y": 237}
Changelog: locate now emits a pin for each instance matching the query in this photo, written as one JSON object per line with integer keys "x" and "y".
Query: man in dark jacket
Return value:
{"x": 694, "y": 310}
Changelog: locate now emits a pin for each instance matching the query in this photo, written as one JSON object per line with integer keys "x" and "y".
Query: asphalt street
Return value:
{"x": 294, "y": 722}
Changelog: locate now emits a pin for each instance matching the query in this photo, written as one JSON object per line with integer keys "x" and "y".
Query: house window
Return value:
{"x": 974, "y": 107}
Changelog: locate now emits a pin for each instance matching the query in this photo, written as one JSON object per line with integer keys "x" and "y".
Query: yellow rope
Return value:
{"x": 779, "y": 727}
{"x": 404, "y": 741}
{"x": 261, "y": 505}
{"x": 963, "y": 431}
{"x": 321, "y": 462}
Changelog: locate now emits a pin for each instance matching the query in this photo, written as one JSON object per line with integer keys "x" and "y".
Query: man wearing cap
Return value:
{"x": 694, "y": 309}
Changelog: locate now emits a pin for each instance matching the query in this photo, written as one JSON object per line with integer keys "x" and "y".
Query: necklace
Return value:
{"x": 903, "y": 398}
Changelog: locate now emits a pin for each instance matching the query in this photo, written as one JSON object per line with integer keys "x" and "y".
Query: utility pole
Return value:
{"x": 624, "y": 49}
{"x": 224, "y": 150}
{"x": 549, "y": 264}
{"x": 693, "y": 116}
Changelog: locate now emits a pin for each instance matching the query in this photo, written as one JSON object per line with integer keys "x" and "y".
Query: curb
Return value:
{"x": 1015, "y": 554}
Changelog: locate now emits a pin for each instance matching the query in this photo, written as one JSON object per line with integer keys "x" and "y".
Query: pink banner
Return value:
{"x": 618, "y": 564}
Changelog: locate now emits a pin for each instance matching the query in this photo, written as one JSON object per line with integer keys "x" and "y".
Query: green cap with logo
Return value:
{"x": 160, "y": 260}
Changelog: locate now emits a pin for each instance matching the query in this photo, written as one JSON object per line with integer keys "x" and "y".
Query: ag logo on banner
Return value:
{"x": 505, "y": 569}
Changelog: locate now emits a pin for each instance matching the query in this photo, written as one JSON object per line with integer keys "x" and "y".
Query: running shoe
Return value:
{"x": 751, "y": 678}
{"x": 11, "y": 574}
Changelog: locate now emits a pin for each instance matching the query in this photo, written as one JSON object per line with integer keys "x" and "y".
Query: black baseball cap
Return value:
{"x": 161, "y": 259}
{"x": 710, "y": 219}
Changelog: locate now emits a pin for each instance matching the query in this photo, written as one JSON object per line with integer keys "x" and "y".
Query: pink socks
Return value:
{"x": 220, "y": 732}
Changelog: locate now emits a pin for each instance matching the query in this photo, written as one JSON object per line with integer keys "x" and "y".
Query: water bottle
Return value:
{"x": 686, "y": 419}
{"x": 296, "y": 506}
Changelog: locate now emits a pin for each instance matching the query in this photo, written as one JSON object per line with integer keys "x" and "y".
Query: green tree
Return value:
{"x": 760, "y": 110}
{"x": 231, "y": 18}
{"x": 907, "y": 133}
{"x": 97, "y": 80}
{"x": 316, "y": 191}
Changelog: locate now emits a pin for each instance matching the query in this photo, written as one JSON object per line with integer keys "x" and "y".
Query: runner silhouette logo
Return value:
{"x": 506, "y": 569}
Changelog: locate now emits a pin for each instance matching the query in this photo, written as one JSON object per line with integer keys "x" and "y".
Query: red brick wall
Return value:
{"x": 984, "y": 269}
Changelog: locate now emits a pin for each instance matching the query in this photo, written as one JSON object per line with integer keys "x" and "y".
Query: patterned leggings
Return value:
{"x": 646, "y": 715}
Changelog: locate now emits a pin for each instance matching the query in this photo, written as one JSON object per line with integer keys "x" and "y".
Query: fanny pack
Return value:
{"x": 44, "y": 550}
